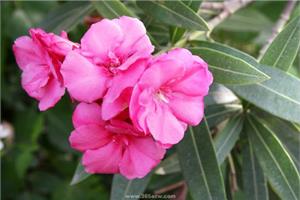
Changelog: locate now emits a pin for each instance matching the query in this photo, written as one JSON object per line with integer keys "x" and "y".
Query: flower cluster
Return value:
{"x": 132, "y": 105}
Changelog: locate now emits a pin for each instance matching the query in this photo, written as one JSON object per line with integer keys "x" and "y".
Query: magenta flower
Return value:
{"x": 169, "y": 95}
{"x": 40, "y": 57}
{"x": 113, "y": 146}
{"x": 112, "y": 57}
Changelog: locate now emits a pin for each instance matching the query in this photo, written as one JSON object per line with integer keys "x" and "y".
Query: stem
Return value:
{"x": 170, "y": 187}
{"x": 233, "y": 181}
{"x": 284, "y": 17}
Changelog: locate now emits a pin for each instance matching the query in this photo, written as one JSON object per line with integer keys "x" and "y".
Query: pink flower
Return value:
{"x": 112, "y": 57}
{"x": 169, "y": 95}
{"x": 113, "y": 146}
{"x": 40, "y": 57}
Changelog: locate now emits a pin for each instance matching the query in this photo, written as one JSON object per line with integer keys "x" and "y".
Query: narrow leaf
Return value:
{"x": 66, "y": 16}
{"x": 283, "y": 50}
{"x": 279, "y": 95}
{"x": 254, "y": 181}
{"x": 198, "y": 162}
{"x": 79, "y": 174}
{"x": 228, "y": 65}
{"x": 215, "y": 114}
{"x": 274, "y": 160}
{"x": 175, "y": 32}
{"x": 173, "y": 13}
{"x": 227, "y": 138}
{"x": 112, "y": 9}
{"x": 123, "y": 188}
{"x": 288, "y": 134}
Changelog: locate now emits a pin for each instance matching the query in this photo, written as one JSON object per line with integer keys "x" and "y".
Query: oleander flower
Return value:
{"x": 40, "y": 57}
{"x": 169, "y": 95}
{"x": 112, "y": 57}
{"x": 113, "y": 146}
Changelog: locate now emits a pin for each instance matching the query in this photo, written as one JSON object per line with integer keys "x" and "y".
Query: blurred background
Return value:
{"x": 37, "y": 162}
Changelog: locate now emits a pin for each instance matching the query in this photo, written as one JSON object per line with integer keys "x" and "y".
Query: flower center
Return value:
{"x": 161, "y": 96}
{"x": 113, "y": 63}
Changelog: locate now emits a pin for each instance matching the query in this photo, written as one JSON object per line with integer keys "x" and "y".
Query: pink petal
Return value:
{"x": 196, "y": 80}
{"x": 164, "y": 126}
{"x": 53, "y": 92}
{"x": 162, "y": 72}
{"x": 103, "y": 160}
{"x": 34, "y": 77}
{"x": 141, "y": 155}
{"x": 125, "y": 79}
{"x": 101, "y": 38}
{"x": 85, "y": 81}
{"x": 85, "y": 114}
{"x": 89, "y": 137}
{"x": 27, "y": 52}
{"x": 112, "y": 109}
{"x": 134, "y": 30}
{"x": 186, "y": 108}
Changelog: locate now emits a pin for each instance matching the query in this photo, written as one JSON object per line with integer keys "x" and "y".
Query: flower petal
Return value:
{"x": 85, "y": 114}
{"x": 85, "y": 81}
{"x": 162, "y": 72}
{"x": 89, "y": 137}
{"x": 196, "y": 80}
{"x": 53, "y": 92}
{"x": 186, "y": 108}
{"x": 134, "y": 30}
{"x": 101, "y": 38}
{"x": 164, "y": 126}
{"x": 27, "y": 52}
{"x": 141, "y": 155}
{"x": 112, "y": 109}
{"x": 104, "y": 160}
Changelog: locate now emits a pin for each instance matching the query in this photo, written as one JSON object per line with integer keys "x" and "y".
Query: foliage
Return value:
{"x": 247, "y": 147}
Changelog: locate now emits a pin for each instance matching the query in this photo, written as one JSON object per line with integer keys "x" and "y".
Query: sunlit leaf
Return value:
{"x": 279, "y": 95}
{"x": 79, "y": 175}
{"x": 173, "y": 13}
{"x": 276, "y": 163}
{"x": 123, "y": 188}
{"x": 228, "y": 65}
{"x": 112, "y": 9}
{"x": 199, "y": 164}
{"x": 284, "y": 48}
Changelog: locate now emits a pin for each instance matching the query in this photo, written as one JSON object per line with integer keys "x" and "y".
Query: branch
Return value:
{"x": 284, "y": 17}
{"x": 230, "y": 7}
{"x": 212, "y": 5}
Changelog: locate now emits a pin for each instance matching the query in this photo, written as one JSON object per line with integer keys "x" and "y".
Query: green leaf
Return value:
{"x": 246, "y": 20}
{"x": 228, "y": 65}
{"x": 168, "y": 166}
{"x": 274, "y": 160}
{"x": 288, "y": 134}
{"x": 199, "y": 164}
{"x": 254, "y": 181}
{"x": 284, "y": 48}
{"x": 79, "y": 174}
{"x": 123, "y": 188}
{"x": 112, "y": 9}
{"x": 66, "y": 16}
{"x": 227, "y": 138}
{"x": 217, "y": 113}
{"x": 279, "y": 95}
{"x": 175, "y": 32}
{"x": 173, "y": 13}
